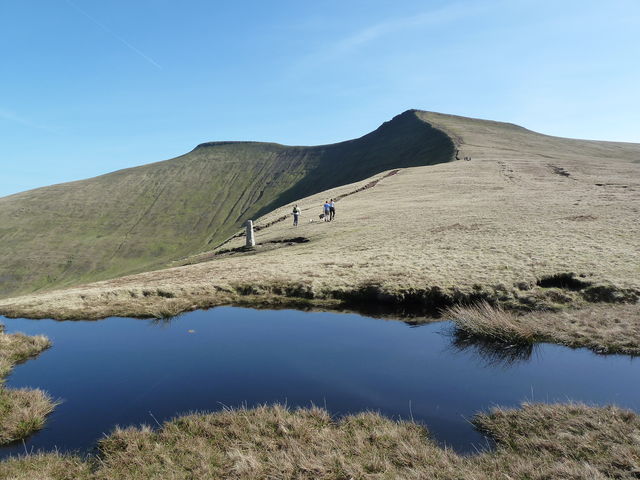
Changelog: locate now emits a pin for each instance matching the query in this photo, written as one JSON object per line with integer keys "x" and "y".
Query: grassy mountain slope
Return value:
{"x": 141, "y": 218}
{"x": 525, "y": 207}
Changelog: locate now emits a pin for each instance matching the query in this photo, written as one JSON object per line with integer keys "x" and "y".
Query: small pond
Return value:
{"x": 122, "y": 371}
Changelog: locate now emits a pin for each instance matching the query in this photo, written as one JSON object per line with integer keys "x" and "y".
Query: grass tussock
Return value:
{"x": 22, "y": 411}
{"x": 601, "y": 328}
{"x": 489, "y": 322}
{"x": 535, "y": 442}
{"x": 17, "y": 347}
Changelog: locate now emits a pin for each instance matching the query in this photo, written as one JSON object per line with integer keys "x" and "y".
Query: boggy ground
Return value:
{"x": 537, "y": 441}
{"x": 531, "y": 223}
{"x": 22, "y": 411}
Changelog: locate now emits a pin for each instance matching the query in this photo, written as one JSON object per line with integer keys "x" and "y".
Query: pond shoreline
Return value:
{"x": 566, "y": 297}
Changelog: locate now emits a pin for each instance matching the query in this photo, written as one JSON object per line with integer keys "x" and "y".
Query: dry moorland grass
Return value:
{"x": 600, "y": 328}
{"x": 525, "y": 209}
{"x": 492, "y": 323}
{"x": 17, "y": 347}
{"x": 22, "y": 411}
{"x": 537, "y": 441}
{"x": 571, "y": 441}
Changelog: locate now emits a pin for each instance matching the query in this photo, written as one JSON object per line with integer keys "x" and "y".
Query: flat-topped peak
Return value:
{"x": 233, "y": 142}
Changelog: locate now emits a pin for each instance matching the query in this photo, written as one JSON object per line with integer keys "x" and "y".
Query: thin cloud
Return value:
{"x": 15, "y": 118}
{"x": 361, "y": 38}
{"x": 115, "y": 35}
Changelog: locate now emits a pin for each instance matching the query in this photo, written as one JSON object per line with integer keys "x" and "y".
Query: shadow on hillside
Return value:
{"x": 405, "y": 141}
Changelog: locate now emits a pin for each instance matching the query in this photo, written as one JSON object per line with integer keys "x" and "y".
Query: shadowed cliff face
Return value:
{"x": 141, "y": 218}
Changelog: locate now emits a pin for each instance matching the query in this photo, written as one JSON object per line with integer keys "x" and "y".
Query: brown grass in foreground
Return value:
{"x": 22, "y": 411}
{"x": 534, "y": 442}
{"x": 571, "y": 441}
{"x": 601, "y": 328}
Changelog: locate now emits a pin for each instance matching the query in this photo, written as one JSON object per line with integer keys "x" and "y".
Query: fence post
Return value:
{"x": 251, "y": 242}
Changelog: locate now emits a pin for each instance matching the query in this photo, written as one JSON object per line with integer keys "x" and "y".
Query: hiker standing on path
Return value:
{"x": 332, "y": 210}
{"x": 327, "y": 211}
{"x": 296, "y": 215}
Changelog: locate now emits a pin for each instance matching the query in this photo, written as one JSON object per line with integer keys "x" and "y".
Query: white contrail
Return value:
{"x": 115, "y": 35}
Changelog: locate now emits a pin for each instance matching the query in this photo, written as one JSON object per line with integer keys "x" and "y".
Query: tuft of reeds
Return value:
{"x": 18, "y": 347}
{"x": 493, "y": 323}
{"x": 22, "y": 412}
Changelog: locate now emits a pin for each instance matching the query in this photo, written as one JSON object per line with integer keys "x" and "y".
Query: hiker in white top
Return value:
{"x": 332, "y": 210}
{"x": 296, "y": 215}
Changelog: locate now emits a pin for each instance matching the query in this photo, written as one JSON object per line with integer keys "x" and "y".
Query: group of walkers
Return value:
{"x": 329, "y": 212}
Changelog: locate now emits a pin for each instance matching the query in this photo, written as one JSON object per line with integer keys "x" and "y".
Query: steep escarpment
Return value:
{"x": 141, "y": 218}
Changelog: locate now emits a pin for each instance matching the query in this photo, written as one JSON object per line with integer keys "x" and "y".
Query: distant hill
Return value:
{"x": 141, "y": 218}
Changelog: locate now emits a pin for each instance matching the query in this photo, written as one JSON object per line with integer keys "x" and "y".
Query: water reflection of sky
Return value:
{"x": 119, "y": 371}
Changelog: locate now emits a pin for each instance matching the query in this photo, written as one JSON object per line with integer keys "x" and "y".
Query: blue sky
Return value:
{"x": 91, "y": 86}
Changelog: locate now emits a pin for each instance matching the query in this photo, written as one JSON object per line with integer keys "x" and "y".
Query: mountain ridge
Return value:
{"x": 143, "y": 217}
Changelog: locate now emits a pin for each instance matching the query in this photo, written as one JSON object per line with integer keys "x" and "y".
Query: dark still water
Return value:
{"x": 116, "y": 371}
